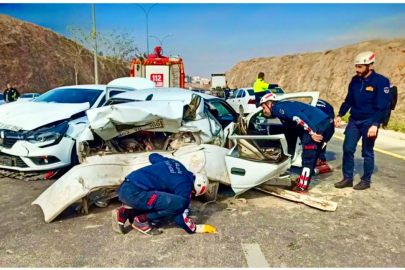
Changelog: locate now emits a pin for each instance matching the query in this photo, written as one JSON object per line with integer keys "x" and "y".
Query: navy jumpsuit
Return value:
{"x": 312, "y": 120}
{"x": 369, "y": 101}
{"x": 160, "y": 191}
{"x": 329, "y": 111}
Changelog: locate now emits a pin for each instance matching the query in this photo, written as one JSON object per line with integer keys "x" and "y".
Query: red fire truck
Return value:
{"x": 164, "y": 71}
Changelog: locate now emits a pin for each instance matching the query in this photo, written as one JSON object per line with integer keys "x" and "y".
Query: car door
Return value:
{"x": 238, "y": 100}
{"x": 294, "y": 150}
{"x": 247, "y": 173}
{"x": 226, "y": 116}
{"x": 233, "y": 102}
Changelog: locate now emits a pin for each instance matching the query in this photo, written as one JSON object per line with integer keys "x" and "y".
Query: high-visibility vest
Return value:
{"x": 260, "y": 86}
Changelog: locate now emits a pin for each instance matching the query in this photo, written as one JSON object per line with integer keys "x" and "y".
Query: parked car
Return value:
{"x": 243, "y": 98}
{"x": 28, "y": 97}
{"x": 41, "y": 135}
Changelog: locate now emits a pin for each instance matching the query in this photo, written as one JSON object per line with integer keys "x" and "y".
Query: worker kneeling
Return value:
{"x": 315, "y": 129}
{"x": 156, "y": 192}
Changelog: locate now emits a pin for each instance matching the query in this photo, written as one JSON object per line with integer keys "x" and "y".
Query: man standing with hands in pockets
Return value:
{"x": 368, "y": 100}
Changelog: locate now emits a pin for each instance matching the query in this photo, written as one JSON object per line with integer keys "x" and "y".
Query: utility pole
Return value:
{"x": 161, "y": 41}
{"x": 95, "y": 46}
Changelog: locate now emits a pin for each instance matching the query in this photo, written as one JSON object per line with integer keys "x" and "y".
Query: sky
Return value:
{"x": 212, "y": 38}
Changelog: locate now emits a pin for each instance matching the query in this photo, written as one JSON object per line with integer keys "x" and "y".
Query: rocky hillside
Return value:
{"x": 35, "y": 59}
{"x": 328, "y": 72}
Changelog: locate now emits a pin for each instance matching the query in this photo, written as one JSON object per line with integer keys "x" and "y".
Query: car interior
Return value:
{"x": 260, "y": 125}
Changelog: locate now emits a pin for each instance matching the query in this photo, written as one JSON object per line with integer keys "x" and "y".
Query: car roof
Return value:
{"x": 100, "y": 87}
{"x": 163, "y": 93}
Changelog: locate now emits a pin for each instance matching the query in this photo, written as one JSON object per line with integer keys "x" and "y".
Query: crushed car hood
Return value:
{"x": 111, "y": 170}
{"x": 105, "y": 121}
{"x": 31, "y": 115}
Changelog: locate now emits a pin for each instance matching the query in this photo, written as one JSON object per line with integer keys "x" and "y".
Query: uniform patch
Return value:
{"x": 281, "y": 111}
{"x": 386, "y": 90}
{"x": 369, "y": 88}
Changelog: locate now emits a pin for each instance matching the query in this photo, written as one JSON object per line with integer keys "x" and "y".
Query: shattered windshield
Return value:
{"x": 70, "y": 95}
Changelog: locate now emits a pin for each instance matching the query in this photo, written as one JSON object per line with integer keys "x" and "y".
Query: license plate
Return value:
{"x": 6, "y": 161}
{"x": 10, "y": 127}
{"x": 153, "y": 125}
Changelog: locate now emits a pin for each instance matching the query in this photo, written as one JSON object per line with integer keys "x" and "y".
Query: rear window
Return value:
{"x": 277, "y": 90}
{"x": 251, "y": 92}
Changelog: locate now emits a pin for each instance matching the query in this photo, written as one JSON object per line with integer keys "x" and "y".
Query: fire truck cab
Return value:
{"x": 164, "y": 71}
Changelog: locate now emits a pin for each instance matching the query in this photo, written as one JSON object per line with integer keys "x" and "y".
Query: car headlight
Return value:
{"x": 48, "y": 134}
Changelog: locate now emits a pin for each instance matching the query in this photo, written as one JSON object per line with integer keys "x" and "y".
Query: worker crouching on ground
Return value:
{"x": 156, "y": 192}
{"x": 259, "y": 88}
{"x": 329, "y": 111}
{"x": 316, "y": 131}
{"x": 369, "y": 101}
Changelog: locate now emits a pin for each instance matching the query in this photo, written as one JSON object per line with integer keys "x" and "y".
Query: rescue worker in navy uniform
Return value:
{"x": 393, "y": 104}
{"x": 368, "y": 100}
{"x": 260, "y": 88}
{"x": 316, "y": 131}
{"x": 158, "y": 191}
{"x": 10, "y": 94}
{"x": 329, "y": 111}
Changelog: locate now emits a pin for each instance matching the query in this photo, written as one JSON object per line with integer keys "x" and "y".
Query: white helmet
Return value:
{"x": 267, "y": 97}
{"x": 364, "y": 58}
{"x": 200, "y": 184}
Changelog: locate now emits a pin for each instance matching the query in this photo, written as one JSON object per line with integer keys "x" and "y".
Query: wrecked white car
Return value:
{"x": 259, "y": 152}
{"x": 169, "y": 119}
{"x": 40, "y": 136}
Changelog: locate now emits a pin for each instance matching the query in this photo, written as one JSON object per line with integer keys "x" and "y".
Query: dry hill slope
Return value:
{"x": 328, "y": 72}
{"x": 34, "y": 59}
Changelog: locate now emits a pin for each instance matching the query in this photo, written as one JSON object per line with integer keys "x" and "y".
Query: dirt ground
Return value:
{"x": 367, "y": 230}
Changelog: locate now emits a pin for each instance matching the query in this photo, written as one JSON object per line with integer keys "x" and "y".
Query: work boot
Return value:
{"x": 119, "y": 217}
{"x": 362, "y": 185}
{"x": 344, "y": 183}
{"x": 299, "y": 190}
{"x": 145, "y": 227}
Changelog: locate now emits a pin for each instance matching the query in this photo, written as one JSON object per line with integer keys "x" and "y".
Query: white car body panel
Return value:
{"x": 110, "y": 171}
{"x": 32, "y": 115}
{"x": 103, "y": 120}
{"x": 166, "y": 104}
{"x": 134, "y": 82}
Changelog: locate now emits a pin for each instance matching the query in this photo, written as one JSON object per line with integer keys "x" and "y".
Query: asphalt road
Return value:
{"x": 367, "y": 230}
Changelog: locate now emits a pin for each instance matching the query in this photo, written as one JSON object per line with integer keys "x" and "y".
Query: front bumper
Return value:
{"x": 23, "y": 155}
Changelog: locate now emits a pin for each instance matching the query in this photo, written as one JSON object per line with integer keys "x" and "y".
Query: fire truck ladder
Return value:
{"x": 175, "y": 76}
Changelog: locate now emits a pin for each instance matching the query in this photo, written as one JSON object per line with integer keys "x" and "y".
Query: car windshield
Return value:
{"x": 70, "y": 95}
{"x": 251, "y": 92}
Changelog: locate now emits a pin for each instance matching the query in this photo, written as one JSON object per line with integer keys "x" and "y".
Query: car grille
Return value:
{"x": 9, "y": 138}
{"x": 8, "y": 142}
{"x": 13, "y": 161}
